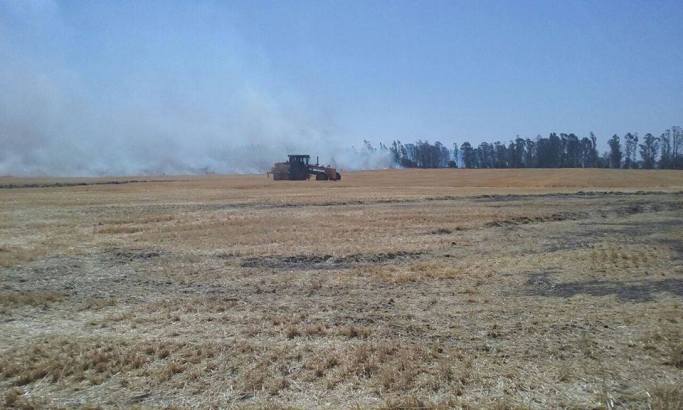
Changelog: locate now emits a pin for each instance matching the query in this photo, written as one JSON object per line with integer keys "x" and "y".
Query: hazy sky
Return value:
{"x": 193, "y": 77}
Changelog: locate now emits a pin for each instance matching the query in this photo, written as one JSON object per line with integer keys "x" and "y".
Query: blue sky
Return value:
{"x": 346, "y": 70}
{"x": 481, "y": 69}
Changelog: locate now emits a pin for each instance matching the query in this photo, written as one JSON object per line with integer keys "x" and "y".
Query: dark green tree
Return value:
{"x": 469, "y": 157}
{"x": 572, "y": 151}
{"x": 665, "y": 158}
{"x": 594, "y": 152}
{"x": 630, "y": 150}
{"x": 648, "y": 151}
{"x": 615, "y": 152}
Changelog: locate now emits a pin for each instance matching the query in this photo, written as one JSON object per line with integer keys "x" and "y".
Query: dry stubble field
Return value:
{"x": 444, "y": 288}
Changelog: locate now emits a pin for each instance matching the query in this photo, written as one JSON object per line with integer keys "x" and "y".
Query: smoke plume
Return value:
{"x": 162, "y": 105}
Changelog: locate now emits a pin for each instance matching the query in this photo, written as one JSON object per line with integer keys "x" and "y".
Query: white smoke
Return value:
{"x": 222, "y": 115}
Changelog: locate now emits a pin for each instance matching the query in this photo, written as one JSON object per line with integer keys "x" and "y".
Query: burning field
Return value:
{"x": 388, "y": 289}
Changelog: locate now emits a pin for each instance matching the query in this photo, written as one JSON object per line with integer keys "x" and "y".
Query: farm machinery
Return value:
{"x": 299, "y": 168}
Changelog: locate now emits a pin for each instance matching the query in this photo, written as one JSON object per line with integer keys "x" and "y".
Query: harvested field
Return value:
{"x": 388, "y": 289}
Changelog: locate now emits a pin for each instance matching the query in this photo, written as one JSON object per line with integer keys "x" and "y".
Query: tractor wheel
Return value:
{"x": 321, "y": 177}
{"x": 338, "y": 177}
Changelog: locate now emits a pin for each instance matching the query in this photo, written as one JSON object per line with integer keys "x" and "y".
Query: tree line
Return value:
{"x": 555, "y": 151}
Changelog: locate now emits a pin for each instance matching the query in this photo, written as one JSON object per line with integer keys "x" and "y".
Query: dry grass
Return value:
{"x": 667, "y": 397}
{"x": 11, "y": 256}
{"x": 30, "y": 298}
{"x": 391, "y": 289}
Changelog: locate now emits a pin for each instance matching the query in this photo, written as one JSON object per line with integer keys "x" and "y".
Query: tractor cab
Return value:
{"x": 298, "y": 167}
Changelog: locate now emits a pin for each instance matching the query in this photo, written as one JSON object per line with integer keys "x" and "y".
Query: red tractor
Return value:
{"x": 299, "y": 169}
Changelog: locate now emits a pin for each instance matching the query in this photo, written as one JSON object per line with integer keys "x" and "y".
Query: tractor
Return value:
{"x": 299, "y": 168}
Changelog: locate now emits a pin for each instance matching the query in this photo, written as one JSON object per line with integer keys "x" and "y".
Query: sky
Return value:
{"x": 130, "y": 87}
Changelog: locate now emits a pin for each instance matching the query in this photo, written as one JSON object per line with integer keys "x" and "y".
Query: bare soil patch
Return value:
{"x": 541, "y": 284}
{"x": 325, "y": 261}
